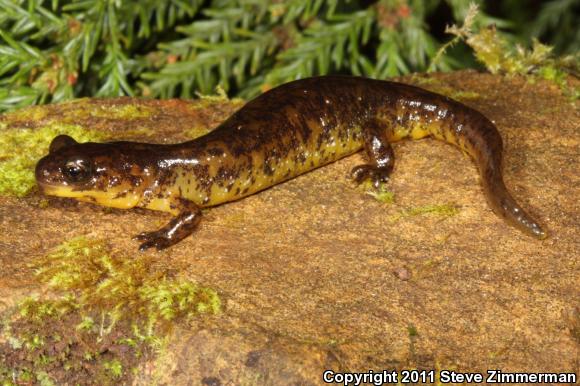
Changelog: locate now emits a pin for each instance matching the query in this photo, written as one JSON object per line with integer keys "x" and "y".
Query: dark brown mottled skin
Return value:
{"x": 281, "y": 134}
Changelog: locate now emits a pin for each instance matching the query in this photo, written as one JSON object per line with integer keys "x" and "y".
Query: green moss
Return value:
{"x": 456, "y": 94}
{"x": 499, "y": 56}
{"x": 44, "y": 379}
{"x": 138, "y": 133}
{"x": 32, "y": 114}
{"x": 220, "y": 95}
{"x": 122, "y": 111}
{"x": 196, "y": 132}
{"x": 424, "y": 80}
{"x": 87, "y": 324}
{"x": 20, "y": 149}
{"x": 464, "y": 95}
{"x": 219, "y": 98}
{"x": 442, "y": 88}
{"x": 491, "y": 51}
{"x": 31, "y": 308}
{"x": 381, "y": 193}
{"x": 70, "y": 112}
{"x": 99, "y": 301}
{"x": 445, "y": 210}
{"x": 114, "y": 367}
{"x": 96, "y": 278}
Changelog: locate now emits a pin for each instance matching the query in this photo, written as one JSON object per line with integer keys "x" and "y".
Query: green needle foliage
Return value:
{"x": 54, "y": 50}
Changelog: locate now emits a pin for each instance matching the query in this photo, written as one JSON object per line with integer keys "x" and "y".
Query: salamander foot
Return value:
{"x": 176, "y": 230}
{"x": 365, "y": 172}
{"x": 153, "y": 239}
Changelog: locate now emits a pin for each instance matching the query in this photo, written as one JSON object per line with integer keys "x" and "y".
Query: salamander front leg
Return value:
{"x": 176, "y": 230}
{"x": 380, "y": 153}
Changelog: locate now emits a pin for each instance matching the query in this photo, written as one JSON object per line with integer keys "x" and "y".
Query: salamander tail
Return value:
{"x": 499, "y": 198}
{"x": 506, "y": 206}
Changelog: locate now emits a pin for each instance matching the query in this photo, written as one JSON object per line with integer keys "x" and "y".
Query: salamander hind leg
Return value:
{"x": 176, "y": 230}
{"x": 380, "y": 154}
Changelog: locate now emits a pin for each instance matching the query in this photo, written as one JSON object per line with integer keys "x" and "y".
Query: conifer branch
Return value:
{"x": 54, "y": 50}
{"x": 326, "y": 46}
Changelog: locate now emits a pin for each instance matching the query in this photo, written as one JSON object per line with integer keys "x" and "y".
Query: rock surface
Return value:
{"x": 315, "y": 274}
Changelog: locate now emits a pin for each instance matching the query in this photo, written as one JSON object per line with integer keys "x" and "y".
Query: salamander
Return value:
{"x": 283, "y": 133}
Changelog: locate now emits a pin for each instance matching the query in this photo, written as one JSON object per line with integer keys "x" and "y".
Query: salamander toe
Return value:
{"x": 365, "y": 172}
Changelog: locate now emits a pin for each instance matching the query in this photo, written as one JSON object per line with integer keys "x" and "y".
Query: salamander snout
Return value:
{"x": 62, "y": 167}
{"x": 48, "y": 173}
{"x": 109, "y": 174}
{"x": 56, "y": 170}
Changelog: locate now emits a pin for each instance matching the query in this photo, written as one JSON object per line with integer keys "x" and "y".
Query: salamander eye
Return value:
{"x": 77, "y": 170}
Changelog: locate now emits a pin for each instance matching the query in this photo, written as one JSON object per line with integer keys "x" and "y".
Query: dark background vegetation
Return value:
{"x": 55, "y": 50}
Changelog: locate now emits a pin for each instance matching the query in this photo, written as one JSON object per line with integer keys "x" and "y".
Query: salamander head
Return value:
{"x": 109, "y": 174}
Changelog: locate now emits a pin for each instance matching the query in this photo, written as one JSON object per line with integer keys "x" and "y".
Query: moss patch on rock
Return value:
{"x": 446, "y": 210}
{"x": 118, "y": 305}
{"x": 380, "y": 193}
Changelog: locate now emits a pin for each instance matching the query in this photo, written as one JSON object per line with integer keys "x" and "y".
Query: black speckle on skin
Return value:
{"x": 121, "y": 194}
{"x": 300, "y": 158}
{"x": 146, "y": 198}
{"x": 268, "y": 169}
{"x": 225, "y": 176}
{"x": 202, "y": 177}
{"x": 215, "y": 152}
